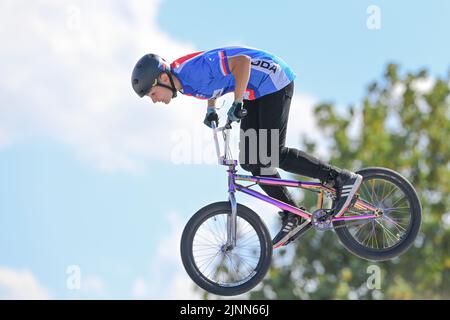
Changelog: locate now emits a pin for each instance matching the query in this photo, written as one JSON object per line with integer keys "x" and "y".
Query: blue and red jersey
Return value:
{"x": 206, "y": 74}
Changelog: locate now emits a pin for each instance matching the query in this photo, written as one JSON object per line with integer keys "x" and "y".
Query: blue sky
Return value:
{"x": 87, "y": 178}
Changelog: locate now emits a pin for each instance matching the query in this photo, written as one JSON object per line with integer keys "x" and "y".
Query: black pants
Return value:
{"x": 271, "y": 112}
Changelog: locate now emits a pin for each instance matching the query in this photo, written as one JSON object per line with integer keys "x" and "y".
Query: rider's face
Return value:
{"x": 161, "y": 94}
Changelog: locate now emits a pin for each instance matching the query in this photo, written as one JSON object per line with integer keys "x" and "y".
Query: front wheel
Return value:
{"x": 394, "y": 231}
{"x": 214, "y": 267}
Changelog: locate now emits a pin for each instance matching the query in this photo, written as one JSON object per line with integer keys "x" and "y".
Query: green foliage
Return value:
{"x": 402, "y": 123}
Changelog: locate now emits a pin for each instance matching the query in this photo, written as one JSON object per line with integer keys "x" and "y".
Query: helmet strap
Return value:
{"x": 171, "y": 87}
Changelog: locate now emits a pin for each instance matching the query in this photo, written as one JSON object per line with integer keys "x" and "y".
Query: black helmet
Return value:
{"x": 145, "y": 74}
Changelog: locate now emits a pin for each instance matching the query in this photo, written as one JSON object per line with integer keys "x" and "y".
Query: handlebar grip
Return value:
{"x": 241, "y": 113}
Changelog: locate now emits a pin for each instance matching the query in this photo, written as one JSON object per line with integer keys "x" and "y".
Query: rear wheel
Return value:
{"x": 395, "y": 230}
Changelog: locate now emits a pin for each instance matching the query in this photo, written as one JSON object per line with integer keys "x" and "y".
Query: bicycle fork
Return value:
{"x": 232, "y": 217}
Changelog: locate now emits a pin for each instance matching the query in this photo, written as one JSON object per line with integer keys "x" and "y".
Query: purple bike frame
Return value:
{"x": 227, "y": 160}
{"x": 312, "y": 186}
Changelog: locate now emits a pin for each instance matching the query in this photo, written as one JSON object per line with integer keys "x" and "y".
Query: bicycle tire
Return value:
{"x": 356, "y": 247}
{"x": 186, "y": 248}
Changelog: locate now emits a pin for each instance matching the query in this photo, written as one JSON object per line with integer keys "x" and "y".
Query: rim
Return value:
{"x": 222, "y": 267}
{"x": 392, "y": 226}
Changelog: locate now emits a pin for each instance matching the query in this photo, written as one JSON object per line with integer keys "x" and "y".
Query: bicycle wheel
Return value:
{"x": 206, "y": 259}
{"x": 395, "y": 230}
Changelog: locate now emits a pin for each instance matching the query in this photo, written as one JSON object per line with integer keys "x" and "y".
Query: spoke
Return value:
{"x": 373, "y": 191}
{"x": 397, "y": 208}
{"x": 200, "y": 256}
{"x": 215, "y": 233}
{"x": 246, "y": 226}
{"x": 203, "y": 259}
{"x": 248, "y": 244}
{"x": 388, "y": 232}
{"x": 246, "y": 255}
{"x": 397, "y": 225}
{"x": 234, "y": 268}
{"x": 398, "y": 200}
{"x": 367, "y": 193}
{"x": 207, "y": 246}
{"x": 206, "y": 234}
{"x": 375, "y": 236}
{"x": 359, "y": 228}
{"x": 377, "y": 189}
{"x": 207, "y": 240}
{"x": 366, "y": 238}
{"x": 247, "y": 265}
{"x": 400, "y": 218}
{"x": 393, "y": 189}
{"x": 215, "y": 270}
{"x": 384, "y": 186}
{"x": 246, "y": 238}
{"x": 248, "y": 241}
{"x": 209, "y": 262}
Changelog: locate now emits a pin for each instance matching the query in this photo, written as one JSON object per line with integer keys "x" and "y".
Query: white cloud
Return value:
{"x": 170, "y": 243}
{"x": 423, "y": 85}
{"x": 167, "y": 278}
{"x": 20, "y": 284}
{"x": 140, "y": 289}
{"x": 92, "y": 286}
{"x": 67, "y": 79}
{"x": 182, "y": 288}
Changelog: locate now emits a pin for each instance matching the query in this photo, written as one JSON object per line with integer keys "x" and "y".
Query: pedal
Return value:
{"x": 322, "y": 219}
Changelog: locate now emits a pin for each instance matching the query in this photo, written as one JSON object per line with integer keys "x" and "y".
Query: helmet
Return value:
{"x": 145, "y": 73}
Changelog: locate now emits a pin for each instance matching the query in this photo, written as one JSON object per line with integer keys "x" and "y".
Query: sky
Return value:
{"x": 96, "y": 184}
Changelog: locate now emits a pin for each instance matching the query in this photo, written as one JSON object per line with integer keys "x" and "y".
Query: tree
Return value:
{"x": 403, "y": 125}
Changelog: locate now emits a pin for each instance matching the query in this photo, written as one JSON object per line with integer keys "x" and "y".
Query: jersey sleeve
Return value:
{"x": 218, "y": 63}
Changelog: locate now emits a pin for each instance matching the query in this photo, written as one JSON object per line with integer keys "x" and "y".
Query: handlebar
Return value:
{"x": 226, "y": 159}
{"x": 241, "y": 114}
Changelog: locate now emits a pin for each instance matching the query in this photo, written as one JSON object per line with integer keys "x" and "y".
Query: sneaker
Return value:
{"x": 284, "y": 214}
{"x": 290, "y": 225}
{"x": 347, "y": 184}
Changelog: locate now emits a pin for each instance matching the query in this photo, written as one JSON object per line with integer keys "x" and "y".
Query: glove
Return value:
{"x": 237, "y": 112}
{"x": 211, "y": 116}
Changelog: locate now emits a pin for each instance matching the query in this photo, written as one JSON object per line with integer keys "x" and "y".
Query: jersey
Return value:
{"x": 206, "y": 74}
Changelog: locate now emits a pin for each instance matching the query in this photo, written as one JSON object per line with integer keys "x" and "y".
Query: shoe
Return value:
{"x": 347, "y": 184}
{"x": 284, "y": 214}
{"x": 289, "y": 227}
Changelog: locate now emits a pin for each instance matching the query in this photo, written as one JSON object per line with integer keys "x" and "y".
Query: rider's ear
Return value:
{"x": 163, "y": 77}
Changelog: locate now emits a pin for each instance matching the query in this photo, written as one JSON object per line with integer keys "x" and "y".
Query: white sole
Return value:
{"x": 352, "y": 192}
{"x": 290, "y": 234}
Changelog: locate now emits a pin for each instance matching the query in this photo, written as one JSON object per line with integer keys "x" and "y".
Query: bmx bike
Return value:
{"x": 226, "y": 248}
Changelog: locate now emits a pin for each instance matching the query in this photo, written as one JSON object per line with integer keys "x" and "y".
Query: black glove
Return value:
{"x": 211, "y": 116}
{"x": 237, "y": 111}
